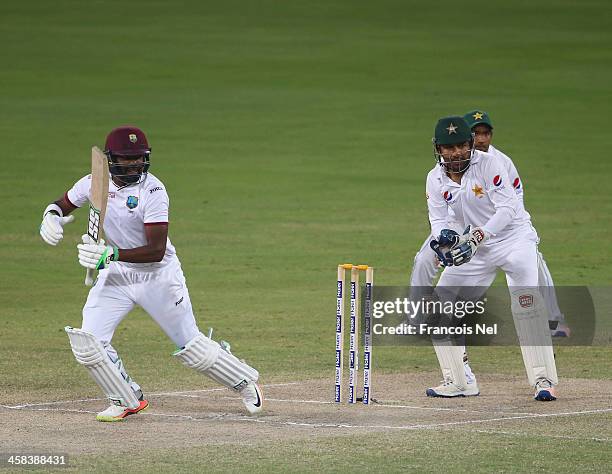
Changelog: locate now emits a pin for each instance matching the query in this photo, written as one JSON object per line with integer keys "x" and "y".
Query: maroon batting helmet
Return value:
{"x": 127, "y": 142}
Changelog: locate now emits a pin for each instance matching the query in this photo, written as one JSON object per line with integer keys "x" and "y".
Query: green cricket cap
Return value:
{"x": 452, "y": 130}
{"x": 476, "y": 117}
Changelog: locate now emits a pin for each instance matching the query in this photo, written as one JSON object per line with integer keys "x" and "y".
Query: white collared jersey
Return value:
{"x": 128, "y": 211}
{"x": 513, "y": 174}
{"x": 485, "y": 198}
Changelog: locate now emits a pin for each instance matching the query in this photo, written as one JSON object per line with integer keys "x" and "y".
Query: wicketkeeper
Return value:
{"x": 426, "y": 264}
{"x": 138, "y": 266}
{"x": 477, "y": 189}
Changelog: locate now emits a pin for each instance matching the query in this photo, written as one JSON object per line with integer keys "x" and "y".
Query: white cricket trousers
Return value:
{"x": 162, "y": 293}
{"x": 517, "y": 257}
{"x": 426, "y": 266}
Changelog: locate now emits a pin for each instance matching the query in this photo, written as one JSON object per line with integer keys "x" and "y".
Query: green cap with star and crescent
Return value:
{"x": 452, "y": 130}
{"x": 476, "y": 117}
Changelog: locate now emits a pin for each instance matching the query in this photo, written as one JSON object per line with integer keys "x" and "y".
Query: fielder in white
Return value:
{"x": 426, "y": 264}
{"x": 477, "y": 188}
{"x": 138, "y": 266}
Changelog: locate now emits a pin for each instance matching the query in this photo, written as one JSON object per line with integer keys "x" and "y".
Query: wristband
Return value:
{"x": 53, "y": 208}
{"x": 108, "y": 257}
{"x": 479, "y": 234}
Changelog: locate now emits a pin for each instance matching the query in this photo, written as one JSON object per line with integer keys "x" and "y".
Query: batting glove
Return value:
{"x": 52, "y": 226}
{"x": 467, "y": 245}
{"x": 96, "y": 255}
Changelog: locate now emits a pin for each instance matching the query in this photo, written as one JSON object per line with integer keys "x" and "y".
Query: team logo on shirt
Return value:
{"x": 516, "y": 183}
{"x": 448, "y": 196}
{"x": 132, "y": 202}
{"x": 497, "y": 181}
{"x": 478, "y": 192}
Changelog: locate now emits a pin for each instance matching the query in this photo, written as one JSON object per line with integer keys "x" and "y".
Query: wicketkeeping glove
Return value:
{"x": 96, "y": 255}
{"x": 52, "y": 226}
{"x": 467, "y": 245}
{"x": 446, "y": 241}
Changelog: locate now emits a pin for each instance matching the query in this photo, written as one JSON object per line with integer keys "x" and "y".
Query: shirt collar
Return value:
{"x": 476, "y": 157}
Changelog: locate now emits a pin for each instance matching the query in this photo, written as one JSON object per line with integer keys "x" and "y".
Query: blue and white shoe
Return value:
{"x": 545, "y": 391}
{"x": 560, "y": 329}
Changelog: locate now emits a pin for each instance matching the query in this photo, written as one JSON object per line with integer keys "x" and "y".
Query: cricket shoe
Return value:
{"x": 252, "y": 398}
{"x": 118, "y": 412}
{"x": 545, "y": 391}
{"x": 449, "y": 390}
{"x": 560, "y": 329}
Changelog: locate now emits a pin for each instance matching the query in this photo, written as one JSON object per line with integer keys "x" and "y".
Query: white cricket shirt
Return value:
{"x": 129, "y": 210}
{"x": 485, "y": 198}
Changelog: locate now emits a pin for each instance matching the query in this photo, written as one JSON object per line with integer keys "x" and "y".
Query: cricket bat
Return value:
{"x": 97, "y": 201}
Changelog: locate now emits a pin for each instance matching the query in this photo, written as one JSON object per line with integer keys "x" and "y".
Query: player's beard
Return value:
{"x": 457, "y": 164}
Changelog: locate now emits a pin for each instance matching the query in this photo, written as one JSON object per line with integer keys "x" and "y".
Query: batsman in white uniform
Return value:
{"x": 477, "y": 188}
{"x": 426, "y": 264}
{"x": 138, "y": 266}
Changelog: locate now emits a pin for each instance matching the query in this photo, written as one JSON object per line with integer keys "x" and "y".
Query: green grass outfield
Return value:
{"x": 292, "y": 136}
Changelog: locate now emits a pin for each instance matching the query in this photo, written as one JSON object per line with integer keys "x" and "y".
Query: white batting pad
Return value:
{"x": 531, "y": 321}
{"x": 450, "y": 358}
{"x": 90, "y": 352}
{"x": 207, "y": 356}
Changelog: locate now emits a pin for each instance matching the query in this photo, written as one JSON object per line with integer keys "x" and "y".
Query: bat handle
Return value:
{"x": 89, "y": 277}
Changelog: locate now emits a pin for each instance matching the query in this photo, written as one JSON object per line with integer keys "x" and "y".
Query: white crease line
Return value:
{"x": 182, "y": 393}
{"x": 383, "y": 405}
{"x": 282, "y": 400}
{"x": 27, "y": 405}
{"x": 207, "y": 417}
{"x": 530, "y": 435}
{"x": 30, "y": 408}
{"x": 386, "y": 405}
{"x": 216, "y": 389}
{"x": 231, "y": 417}
{"x": 510, "y": 418}
{"x": 456, "y": 409}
